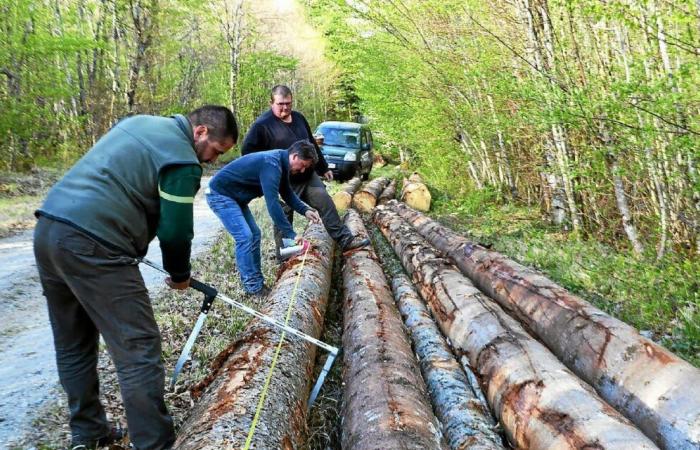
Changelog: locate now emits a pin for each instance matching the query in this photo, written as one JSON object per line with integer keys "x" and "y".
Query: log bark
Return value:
{"x": 343, "y": 198}
{"x": 415, "y": 193}
{"x": 223, "y": 415}
{"x": 366, "y": 198}
{"x": 654, "y": 388}
{"x": 466, "y": 421}
{"x": 385, "y": 403}
{"x": 389, "y": 193}
{"x": 540, "y": 404}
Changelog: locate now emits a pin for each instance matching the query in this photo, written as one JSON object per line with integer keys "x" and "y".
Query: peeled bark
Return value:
{"x": 343, "y": 198}
{"x": 415, "y": 193}
{"x": 229, "y": 396}
{"x": 385, "y": 404}
{"x": 389, "y": 193}
{"x": 654, "y": 388}
{"x": 366, "y": 198}
{"x": 466, "y": 421}
{"x": 540, "y": 404}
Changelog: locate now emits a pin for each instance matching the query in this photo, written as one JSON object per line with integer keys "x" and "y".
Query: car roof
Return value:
{"x": 341, "y": 125}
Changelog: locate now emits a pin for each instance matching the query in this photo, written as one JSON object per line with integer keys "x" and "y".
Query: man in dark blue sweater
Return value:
{"x": 263, "y": 174}
{"x": 279, "y": 128}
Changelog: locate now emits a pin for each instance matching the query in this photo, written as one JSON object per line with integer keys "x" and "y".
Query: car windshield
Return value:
{"x": 339, "y": 138}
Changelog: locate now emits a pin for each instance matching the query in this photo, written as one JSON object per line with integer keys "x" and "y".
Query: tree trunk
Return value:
{"x": 366, "y": 198}
{"x": 466, "y": 421}
{"x": 416, "y": 193}
{"x": 385, "y": 403}
{"x": 389, "y": 193}
{"x": 650, "y": 385}
{"x": 343, "y": 198}
{"x": 540, "y": 404}
{"x": 229, "y": 396}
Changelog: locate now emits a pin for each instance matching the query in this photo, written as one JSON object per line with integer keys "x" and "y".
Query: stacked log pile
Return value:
{"x": 343, "y": 198}
{"x": 415, "y": 193}
{"x": 366, "y": 198}
{"x": 540, "y": 404}
{"x": 466, "y": 420}
{"x": 389, "y": 193}
{"x": 385, "y": 404}
{"x": 654, "y": 388}
{"x": 229, "y": 396}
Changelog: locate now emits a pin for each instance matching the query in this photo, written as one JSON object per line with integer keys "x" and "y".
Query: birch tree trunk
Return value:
{"x": 654, "y": 388}
{"x": 540, "y": 404}
{"x": 385, "y": 405}
{"x": 229, "y": 396}
{"x": 466, "y": 421}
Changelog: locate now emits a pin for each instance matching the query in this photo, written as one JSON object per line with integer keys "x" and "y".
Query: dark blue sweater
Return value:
{"x": 257, "y": 175}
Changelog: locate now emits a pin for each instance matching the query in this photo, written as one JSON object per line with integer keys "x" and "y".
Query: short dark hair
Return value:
{"x": 219, "y": 120}
{"x": 280, "y": 89}
{"x": 305, "y": 149}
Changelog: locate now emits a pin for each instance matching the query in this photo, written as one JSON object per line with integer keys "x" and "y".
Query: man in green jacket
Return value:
{"x": 137, "y": 182}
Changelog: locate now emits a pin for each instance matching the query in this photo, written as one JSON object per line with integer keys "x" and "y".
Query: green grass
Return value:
{"x": 660, "y": 298}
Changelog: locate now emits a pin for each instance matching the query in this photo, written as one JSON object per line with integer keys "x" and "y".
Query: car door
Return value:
{"x": 365, "y": 151}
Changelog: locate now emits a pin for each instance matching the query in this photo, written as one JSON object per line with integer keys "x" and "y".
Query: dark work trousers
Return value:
{"x": 93, "y": 290}
{"x": 314, "y": 194}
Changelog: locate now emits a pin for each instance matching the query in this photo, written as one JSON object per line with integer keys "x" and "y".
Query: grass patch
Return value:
{"x": 662, "y": 299}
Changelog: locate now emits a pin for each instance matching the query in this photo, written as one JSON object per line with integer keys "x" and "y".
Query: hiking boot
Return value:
{"x": 355, "y": 243}
{"x": 115, "y": 435}
{"x": 261, "y": 294}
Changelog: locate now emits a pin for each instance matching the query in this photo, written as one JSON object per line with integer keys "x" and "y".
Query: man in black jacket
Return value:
{"x": 279, "y": 128}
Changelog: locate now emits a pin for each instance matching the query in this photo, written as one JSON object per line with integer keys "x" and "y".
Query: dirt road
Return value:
{"x": 28, "y": 377}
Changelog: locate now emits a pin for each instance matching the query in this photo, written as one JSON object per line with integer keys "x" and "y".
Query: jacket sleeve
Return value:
{"x": 177, "y": 186}
{"x": 270, "y": 178}
{"x": 321, "y": 166}
{"x": 255, "y": 140}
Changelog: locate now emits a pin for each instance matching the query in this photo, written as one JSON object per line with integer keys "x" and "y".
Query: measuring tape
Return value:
{"x": 266, "y": 386}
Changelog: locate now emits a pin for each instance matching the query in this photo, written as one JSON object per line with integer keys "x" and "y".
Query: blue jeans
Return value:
{"x": 239, "y": 222}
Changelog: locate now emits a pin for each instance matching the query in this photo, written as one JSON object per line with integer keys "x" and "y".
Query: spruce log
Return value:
{"x": 466, "y": 421}
{"x": 224, "y": 413}
{"x": 385, "y": 404}
{"x": 389, "y": 193}
{"x": 343, "y": 198}
{"x": 415, "y": 193}
{"x": 366, "y": 198}
{"x": 654, "y": 388}
{"x": 540, "y": 403}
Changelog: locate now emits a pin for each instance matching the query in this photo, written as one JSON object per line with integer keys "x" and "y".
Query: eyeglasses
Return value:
{"x": 283, "y": 103}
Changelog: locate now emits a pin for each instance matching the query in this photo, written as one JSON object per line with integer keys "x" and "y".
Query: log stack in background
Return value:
{"x": 540, "y": 404}
{"x": 222, "y": 417}
{"x": 343, "y": 198}
{"x": 389, "y": 193}
{"x": 654, "y": 388}
{"x": 415, "y": 193}
{"x": 465, "y": 419}
{"x": 385, "y": 404}
{"x": 366, "y": 198}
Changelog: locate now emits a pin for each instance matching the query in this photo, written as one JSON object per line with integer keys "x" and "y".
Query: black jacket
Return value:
{"x": 270, "y": 133}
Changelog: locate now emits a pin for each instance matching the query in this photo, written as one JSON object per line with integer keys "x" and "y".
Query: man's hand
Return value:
{"x": 313, "y": 216}
{"x": 328, "y": 175}
{"x": 179, "y": 286}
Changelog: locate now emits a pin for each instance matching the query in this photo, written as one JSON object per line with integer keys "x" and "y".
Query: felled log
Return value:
{"x": 385, "y": 404}
{"x": 343, "y": 198}
{"x": 466, "y": 421}
{"x": 389, "y": 193}
{"x": 540, "y": 404}
{"x": 415, "y": 193}
{"x": 366, "y": 198}
{"x": 229, "y": 396}
{"x": 654, "y": 388}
